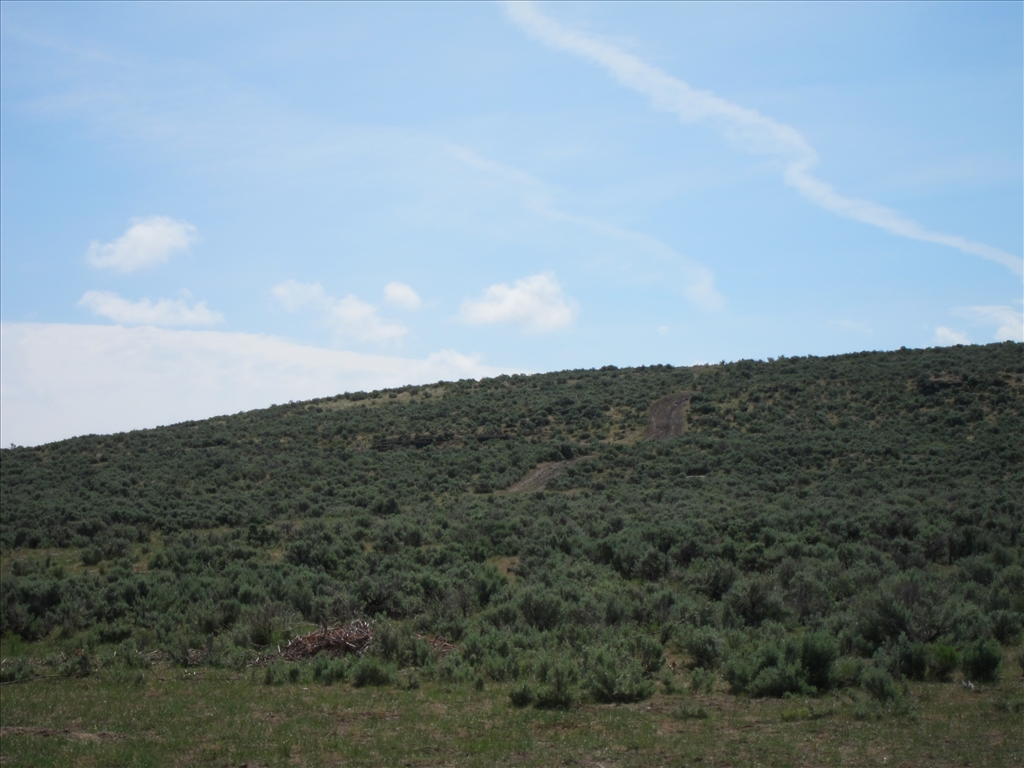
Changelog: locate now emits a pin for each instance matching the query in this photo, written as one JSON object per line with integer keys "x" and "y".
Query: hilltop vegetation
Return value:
{"x": 791, "y": 527}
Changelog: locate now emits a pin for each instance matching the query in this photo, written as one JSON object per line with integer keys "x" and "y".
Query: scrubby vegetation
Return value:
{"x": 849, "y": 523}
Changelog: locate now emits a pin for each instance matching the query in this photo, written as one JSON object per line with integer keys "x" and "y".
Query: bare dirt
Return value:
{"x": 667, "y": 416}
{"x": 66, "y": 732}
{"x": 538, "y": 477}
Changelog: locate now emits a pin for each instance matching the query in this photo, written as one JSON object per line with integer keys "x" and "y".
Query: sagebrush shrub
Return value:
{"x": 559, "y": 689}
{"x": 943, "y": 660}
{"x": 612, "y": 679}
{"x": 522, "y": 695}
{"x": 705, "y": 647}
{"x": 370, "y": 670}
{"x": 15, "y": 670}
{"x": 818, "y": 652}
{"x": 702, "y": 680}
{"x": 882, "y": 687}
{"x": 981, "y": 660}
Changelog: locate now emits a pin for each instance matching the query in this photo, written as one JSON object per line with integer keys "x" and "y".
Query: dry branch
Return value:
{"x": 337, "y": 641}
{"x": 441, "y": 646}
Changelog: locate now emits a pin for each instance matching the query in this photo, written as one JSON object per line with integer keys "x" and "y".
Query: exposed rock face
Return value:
{"x": 667, "y": 416}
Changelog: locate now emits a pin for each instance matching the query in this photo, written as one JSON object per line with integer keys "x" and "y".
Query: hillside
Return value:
{"x": 792, "y": 525}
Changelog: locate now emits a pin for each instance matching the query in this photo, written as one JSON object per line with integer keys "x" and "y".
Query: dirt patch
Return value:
{"x": 506, "y": 566}
{"x": 538, "y": 477}
{"x": 270, "y": 718}
{"x": 667, "y": 416}
{"x": 17, "y": 730}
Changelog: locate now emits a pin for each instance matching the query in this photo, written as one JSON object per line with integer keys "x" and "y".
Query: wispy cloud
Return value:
{"x": 947, "y": 337}
{"x": 64, "y": 380}
{"x": 536, "y": 303}
{"x": 1009, "y": 321}
{"x": 402, "y": 295}
{"x": 165, "y": 312}
{"x": 697, "y": 281}
{"x": 348, "y": 316}
{"x": 149, "y": 240}
{"x": 747, "y": 128}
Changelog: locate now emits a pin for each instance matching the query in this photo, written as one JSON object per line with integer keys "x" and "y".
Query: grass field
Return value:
{"x": 182, "y": 717}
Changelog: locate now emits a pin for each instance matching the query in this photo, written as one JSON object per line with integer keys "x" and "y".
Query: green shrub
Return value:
{"x": 818, "y": 652}
{"x": 1006, "y": 626}
{"x": 370, "y": 670}
{"x": 329, "y": 671}
{"x": 702, "y": 680}
{"x": 123, "y": 676}
{"x": 882, "y": 687}
{"x": 868, "y": 709}
{"x": 15, "y": 670}
{"x": 887, "y": 695}
{"x": 78, "y": 664}
{"x": 739, "y": 670}
{"x": 690, "y": 711}
{"x": 668, "y": 683}
{"x": 259, "y": 625}
{"x": 705, "y": 647}
{"x": 114, "y": 633}
{"x": 848, "y": 671}
{"x": 1014, "y": 705}
{"x": 559, "y": 686}
{"x": 522, "y": 695}
{"x": 500, "y": 669}
{"x": 787, "y": 665}
{"x": 943, "y": 660}
{"x": 275, "y": 674}
{"x": 269, "y": 677}
{"x": 906, "y": 658}
{"x": 981, "y": 660}
{"x": 778, "y": 680}
{"x": 92, "y": 556}
{"x": 649, "y": 653}
{"x": 541, "y": 608}
{"x": 129, "y": 655}
{"x": 612, "y": 679}
{"x": 410, "y": 681}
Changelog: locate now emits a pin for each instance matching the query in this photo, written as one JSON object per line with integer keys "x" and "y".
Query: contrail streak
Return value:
{"x": 750, "y": 129}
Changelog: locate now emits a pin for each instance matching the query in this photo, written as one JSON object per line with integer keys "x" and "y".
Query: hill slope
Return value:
{"x": 870, "y": 501}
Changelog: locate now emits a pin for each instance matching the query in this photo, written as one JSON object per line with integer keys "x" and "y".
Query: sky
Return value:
{"x": 208, "y": 208}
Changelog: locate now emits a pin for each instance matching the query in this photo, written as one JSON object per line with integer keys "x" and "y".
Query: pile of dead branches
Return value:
{"x": 440, "y": 646}
{"x": 355, "y": 637}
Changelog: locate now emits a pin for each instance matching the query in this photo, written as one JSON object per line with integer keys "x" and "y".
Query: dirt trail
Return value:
{"x": 667, "y": 416}
{"x": 76, "y": 735}
{"x": 538, "y": 477}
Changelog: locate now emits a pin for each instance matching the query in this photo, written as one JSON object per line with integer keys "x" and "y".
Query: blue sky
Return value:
{"x": 210, "y": 207}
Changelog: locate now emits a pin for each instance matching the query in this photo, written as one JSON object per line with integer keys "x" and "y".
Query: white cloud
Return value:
{"x": 149, "y": 240}
{"x": 745, "y": 127}
{"x": 947, "y": 337}
{"x": 402, "y": 295}
{"x": 698, "y": 282}
{"x": 57, "y": 381}
{"x": 535, "y": 302}
{"x": 347, "y": 317}
{"x": 165, "y": 312}
{"x": 1010, "y": 321}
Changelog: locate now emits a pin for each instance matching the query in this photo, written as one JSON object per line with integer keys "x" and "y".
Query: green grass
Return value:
{"x": 175, "y": 717}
